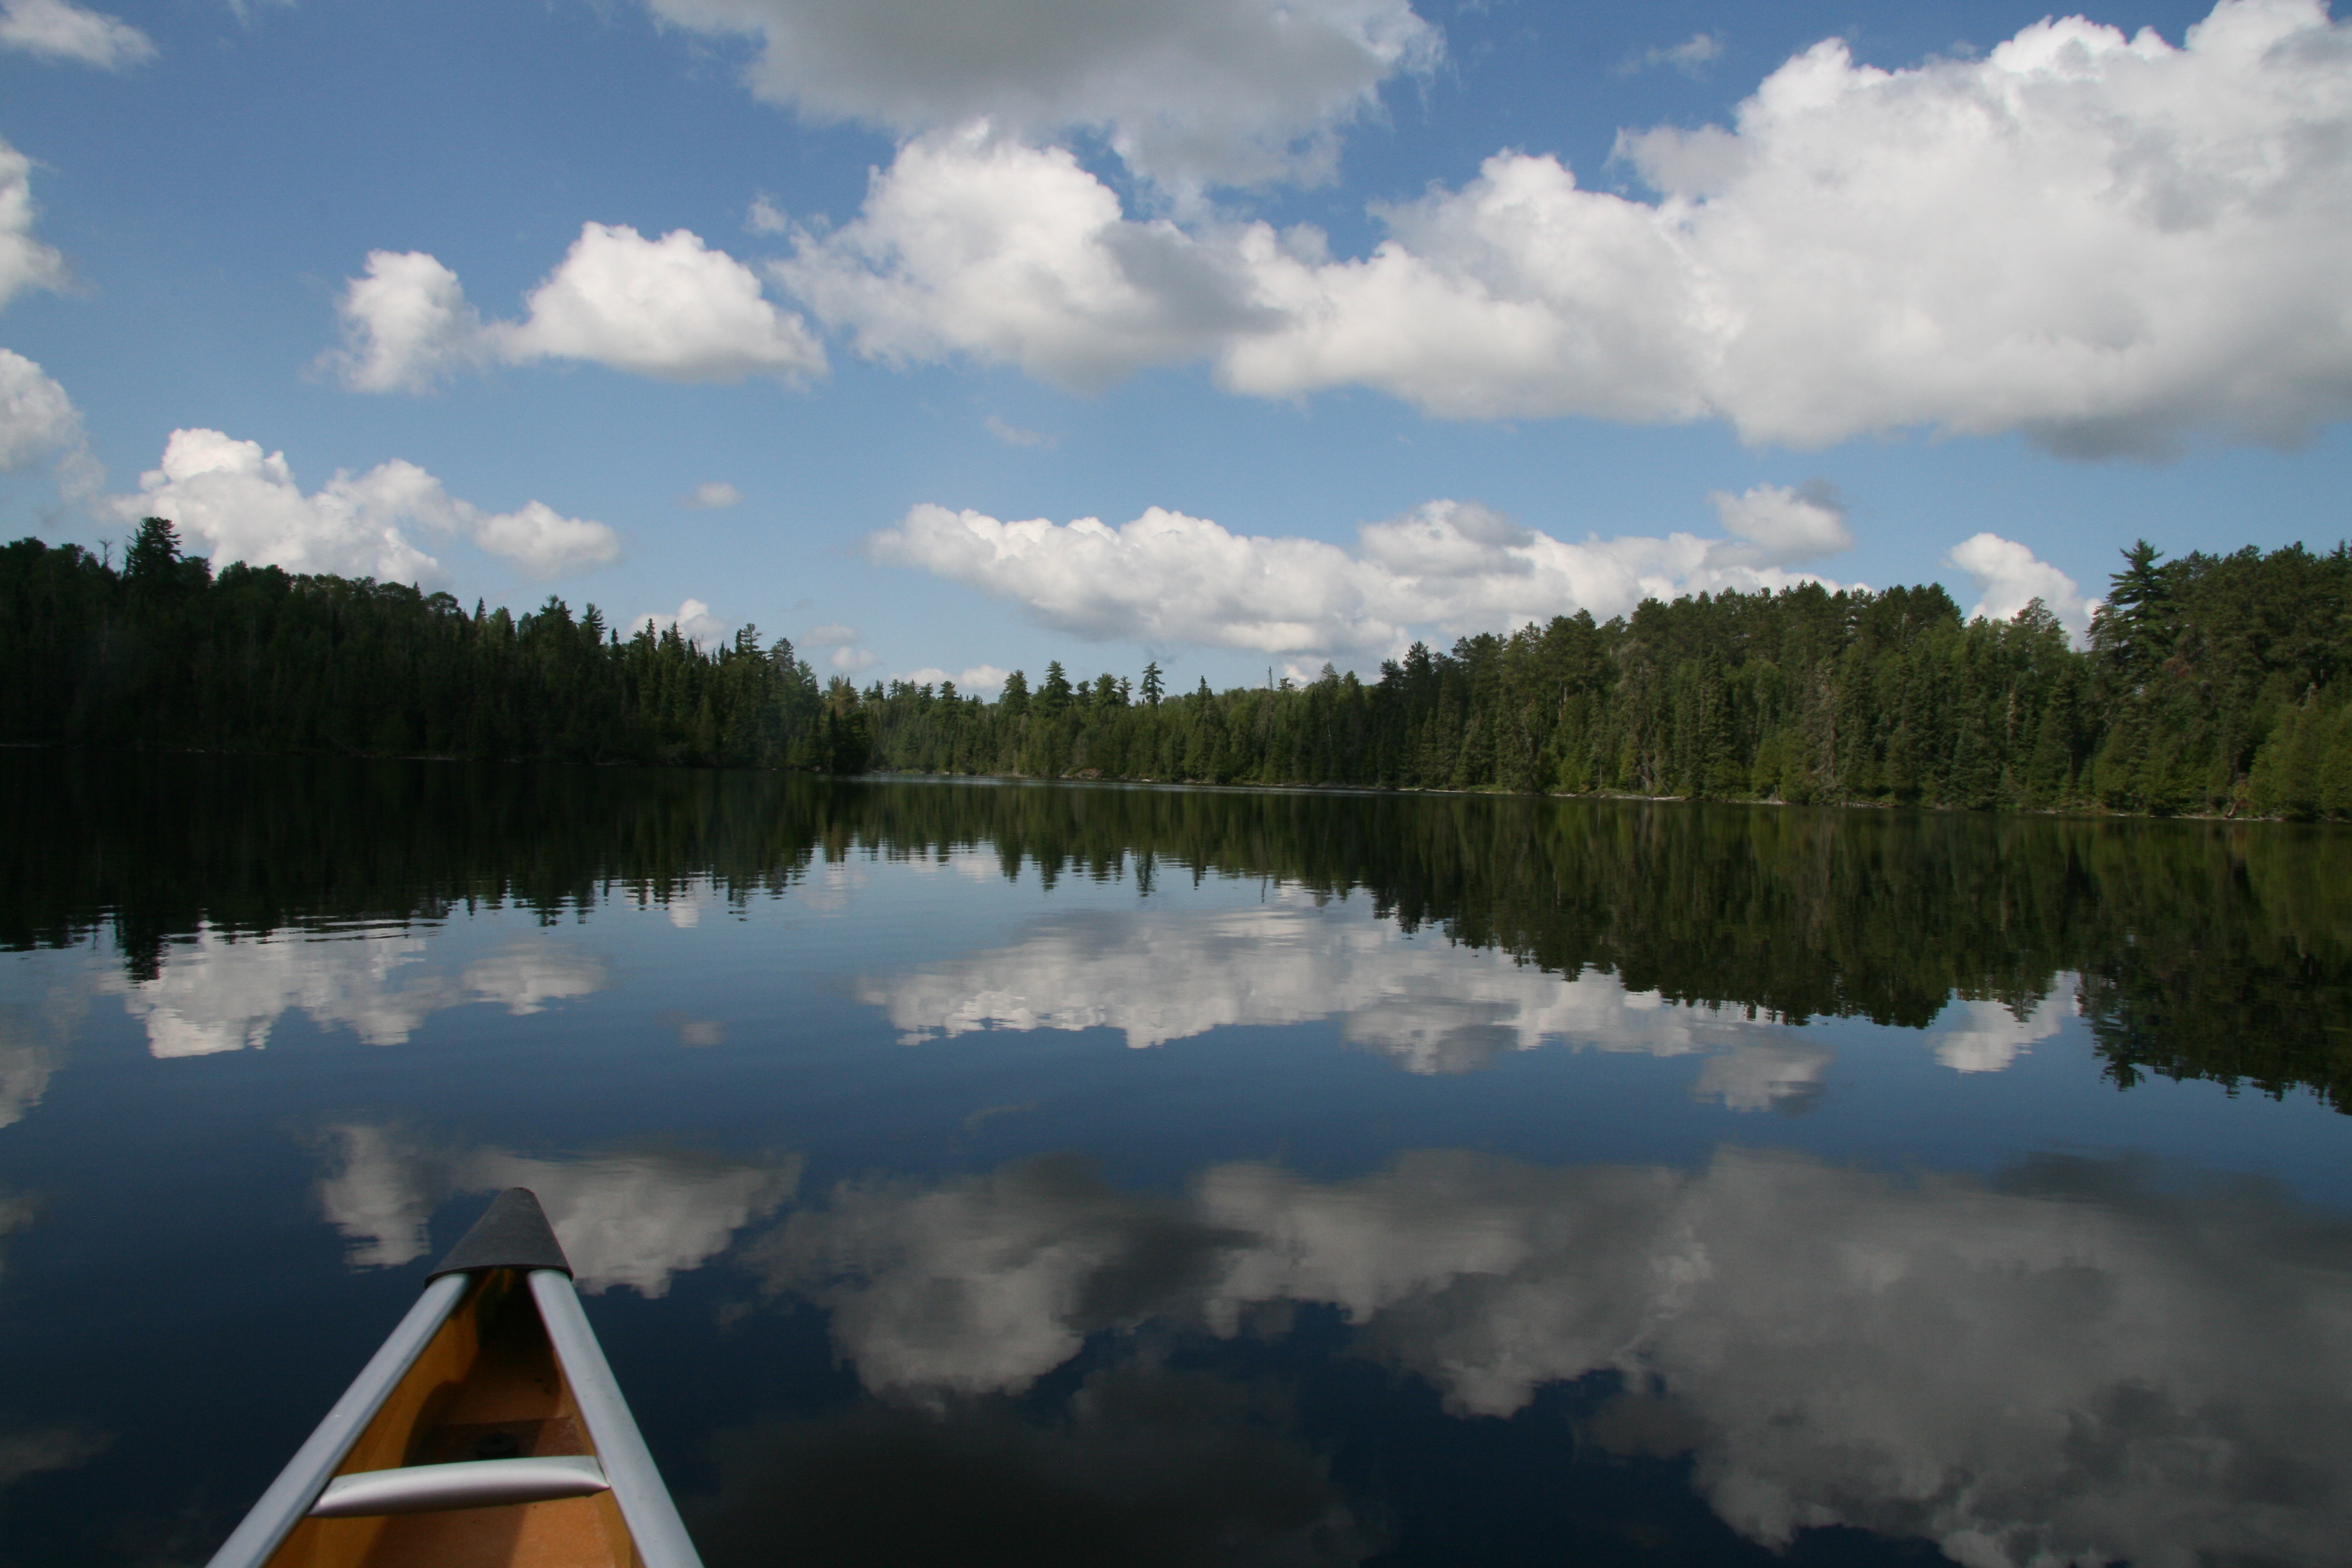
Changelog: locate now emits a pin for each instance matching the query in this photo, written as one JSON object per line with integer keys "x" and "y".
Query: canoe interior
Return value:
{"x": 488, "y": 1386}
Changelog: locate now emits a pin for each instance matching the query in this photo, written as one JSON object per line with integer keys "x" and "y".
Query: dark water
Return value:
{"x": 982, "y": 1173}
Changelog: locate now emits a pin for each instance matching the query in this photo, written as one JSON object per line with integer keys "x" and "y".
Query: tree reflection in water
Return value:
{"x": 2198, "y": 948}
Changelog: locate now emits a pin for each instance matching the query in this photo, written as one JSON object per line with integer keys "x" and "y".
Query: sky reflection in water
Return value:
{"x": 1155, "y": 1204}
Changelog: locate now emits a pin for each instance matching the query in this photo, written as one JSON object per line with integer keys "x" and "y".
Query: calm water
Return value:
{"x": 991, "y": 1174}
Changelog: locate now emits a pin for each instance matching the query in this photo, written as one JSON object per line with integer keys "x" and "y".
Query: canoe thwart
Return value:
{"x": 512, "y": 1233}
{"x": 466, "y": 1483}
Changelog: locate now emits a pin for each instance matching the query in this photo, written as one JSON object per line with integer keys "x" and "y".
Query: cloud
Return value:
{"x": 637, "y": 1219}
{"x": 846, "y": 658}
{"x": 1453, "y": 566}
{"x": 2108, "y": 245}
{"x": 407, "y": 324}
{"x": 694, "y": 622}
{"x": 58, "y": 30}
{"x": 671, "y": 309}
{"x": 714, "y": 494}
{"x": 539, "y": 539}
{"x": 39, "y": 420}
{"x": 971, "y": 243}
{"x": 1691, "y": 57}
{"x": 25, "y": 262}
{"x": 2010, "y": 577}
{"x": 2073, "y": 1363}
{"x": 765, "y": 217}
{"x": 219, "y": 993}
{"x": 975, "y": 680}
{"x": 1185, "y": 90}
{"x": 1781, "y": 526}
{"x": 1015, "y": 436}
{"x": 1429, "y": 1007}
{"x": 248, "y": 507}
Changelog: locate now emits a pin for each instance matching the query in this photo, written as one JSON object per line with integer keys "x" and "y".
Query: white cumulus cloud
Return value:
{"x": 1185, "y": 90}
{"x": 39, "y": 420}
{"x": 2108, "y": 244}
{"x": 407, "y": 324}
{"x": 972, "y": 243}
{"x": 1450, "y": 565}
{"x": 2010, "y": 576}
{"x": 247, "y": 506}
{"x": 694, "y": 622}
{"x": 670, "y": 308}
{"x": 58, "y": 30}
{"x": 1781, "y": 525}
{"x": 25, "y": 262}
{"x": 537, "y": 538}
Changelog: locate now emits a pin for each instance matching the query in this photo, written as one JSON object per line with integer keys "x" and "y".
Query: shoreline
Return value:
{"x": 2078, "y": 812}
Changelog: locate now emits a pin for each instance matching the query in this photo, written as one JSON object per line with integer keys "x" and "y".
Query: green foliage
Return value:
{"x": 2212, "y": 684}
{"x": 1801, "y": 696}
{"x": 166, "y": 654}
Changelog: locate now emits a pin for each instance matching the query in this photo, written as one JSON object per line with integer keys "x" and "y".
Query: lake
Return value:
{"x": 982, "y": 1172}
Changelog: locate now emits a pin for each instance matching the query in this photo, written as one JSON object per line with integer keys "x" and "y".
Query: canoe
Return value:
{"x": 487, "y": 1433}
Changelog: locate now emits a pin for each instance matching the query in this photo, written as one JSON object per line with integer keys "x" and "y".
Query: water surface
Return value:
{"x": 983, "y": 1173}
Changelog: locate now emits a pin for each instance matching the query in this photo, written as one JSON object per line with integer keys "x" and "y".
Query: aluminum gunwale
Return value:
{"x": 645, "y": 1505}
{"x": 306, "y": 1475}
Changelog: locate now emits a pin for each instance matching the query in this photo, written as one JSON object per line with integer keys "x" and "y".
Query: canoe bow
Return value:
{"x": 486, "y": 1429}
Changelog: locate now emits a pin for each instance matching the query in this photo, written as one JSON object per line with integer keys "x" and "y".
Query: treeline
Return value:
{"x": 163, "y": 654}
{"x": 2213, "y": 683}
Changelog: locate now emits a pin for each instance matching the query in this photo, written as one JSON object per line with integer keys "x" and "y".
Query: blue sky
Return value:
{"x": 1350, "y": 320}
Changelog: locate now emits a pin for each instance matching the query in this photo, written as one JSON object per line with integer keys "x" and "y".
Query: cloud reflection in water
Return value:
{"x": 1425, "y": 1004}
{"x": 223, "y": 993}
{"x": 27, "y": 1060}
{"x": 1987, "y": 1036}
{"x": 626, "y": 1218}
{"x": 34, "y": 1450}
{"x": 2070, "y": 1364}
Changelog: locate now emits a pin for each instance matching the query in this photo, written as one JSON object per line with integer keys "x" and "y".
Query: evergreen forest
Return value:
{"x": 2213, "y": 683}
